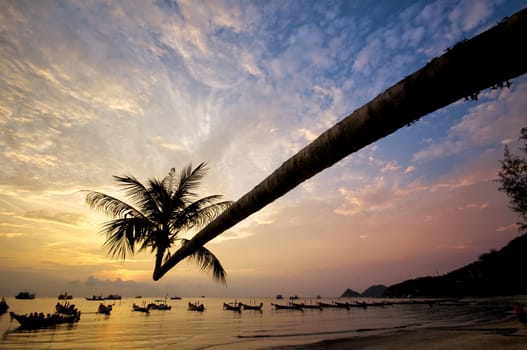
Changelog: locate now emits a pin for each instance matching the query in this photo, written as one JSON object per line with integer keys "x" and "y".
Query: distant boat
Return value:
{"x": 175, "y": 298}
{"x": 25, "y": 295}
{"x": 252, "y": 307}
{"x": 293, "y": 297}
{"x": 3, "y": 306}
{"x": 279, "y": 296}
{"x": 321, "y": 304}
{"x": 286, "y": 307}
{"x": 65, "y": 296}
{"x": 159, "y": 305}
{"x": 104, "y": 309}
{"x": 153, "y": 306}
{"x": 306, "y": 306}
{"x": 66, "y": 308}
{"x": 345, "y": 305}
{"x": 113, "y": 297}
{"x": 140, "y": 308}
{"x": 95, "y": 298}
{"x": 35, "y": 321}
{"x": 232, "y": 306}
{"x": 196, "y": 306}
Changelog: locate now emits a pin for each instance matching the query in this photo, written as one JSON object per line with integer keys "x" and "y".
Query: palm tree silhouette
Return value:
{"x": 162, "y": 210}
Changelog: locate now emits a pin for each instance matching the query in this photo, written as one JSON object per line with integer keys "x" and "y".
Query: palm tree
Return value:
{"x": 162, "y": 211}
{"x": 489, "y": 59}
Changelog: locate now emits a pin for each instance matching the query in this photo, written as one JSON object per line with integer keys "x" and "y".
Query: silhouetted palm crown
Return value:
{"x": 161, "y": 212}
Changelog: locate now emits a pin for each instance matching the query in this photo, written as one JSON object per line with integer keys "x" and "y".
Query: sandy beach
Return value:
{"x": 509, "y": 335}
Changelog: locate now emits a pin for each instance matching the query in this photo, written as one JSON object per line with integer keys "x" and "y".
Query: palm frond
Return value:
{"x": 189, "y": 180}
{"x": 137, "y": 192}
{"x": 207, "y": 261}
{"x": 156, "y": 240}
{"x": 160, "y": 197}
{"x": 198, "y": 214}
{"x": 109, "y": 205}
{"x": 123, "y": 234}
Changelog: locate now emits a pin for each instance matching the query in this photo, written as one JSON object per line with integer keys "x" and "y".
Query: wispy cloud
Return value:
{"x": 55, "y": 217}
{"x": 482, "y": 125}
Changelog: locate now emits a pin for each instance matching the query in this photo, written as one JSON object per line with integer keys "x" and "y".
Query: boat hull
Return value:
{"x": 252, "y": 307}
{"x": 3, "y": 306}
{"x": 235, "y": 307}
{"x": 154, "y": 306}
{"x": 140, "y": 308}
{"x": 196, "y": 307}
{"x": 104, "y": 309}
{"x": 25, "y": 295}
{"x": 35, "y": 322}
{"x": 286, "y": 307}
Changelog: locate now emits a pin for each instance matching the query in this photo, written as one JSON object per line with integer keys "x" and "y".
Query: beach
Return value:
{"x": 509, "y": 335}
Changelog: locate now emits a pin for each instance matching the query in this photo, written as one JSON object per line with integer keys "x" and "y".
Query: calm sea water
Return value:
{"x": 217, "y": 329}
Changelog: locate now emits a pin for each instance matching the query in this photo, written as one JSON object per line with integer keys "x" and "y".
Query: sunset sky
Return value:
{"x": 92, "y": 89}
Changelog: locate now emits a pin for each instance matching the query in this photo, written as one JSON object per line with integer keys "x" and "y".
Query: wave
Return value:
{"x": 345, "y": 331}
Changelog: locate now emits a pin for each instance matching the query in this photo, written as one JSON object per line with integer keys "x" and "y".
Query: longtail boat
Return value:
{"x": 286, "y": 307}
{"x": 159, "y": 306}
{"x": 104, "y": 309}
{"x": 140, "y": 308}
{"x": 3, "y": 306}
{"x": 306, "y": 306}
{"x": 345, "y": 305}
{"x": 113, "y": 297}
{"x": 321, "y": 304}
{"x": 25, "y": 295}
{"x": 233, "y": 307}
{"x": 251, "y": 307}
{"x": 35, "y": 321}
{"x": 66, "y": 308}
{"x": 65, "y": 296}
{"x": 196, "y": 306}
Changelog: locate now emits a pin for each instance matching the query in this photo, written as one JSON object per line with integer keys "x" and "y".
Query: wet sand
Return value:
{"x": 509, "y": 335}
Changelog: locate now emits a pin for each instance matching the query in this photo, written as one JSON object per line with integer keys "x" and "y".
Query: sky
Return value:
{"x": 93, "y": 89}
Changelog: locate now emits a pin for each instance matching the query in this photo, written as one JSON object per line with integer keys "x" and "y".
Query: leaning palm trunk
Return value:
{"x": 489, "y": 59}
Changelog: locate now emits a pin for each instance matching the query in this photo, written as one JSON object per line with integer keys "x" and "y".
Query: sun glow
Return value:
{"x": 124, "y": 275}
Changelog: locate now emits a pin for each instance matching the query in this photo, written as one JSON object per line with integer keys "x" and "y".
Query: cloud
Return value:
{"x": 390, "y": 166}
{"x": 379, "y": 194}
{"x": 473, "y": 206}
{"x": 308, "y": 134}
{"x": 508, "y": 228}
{"x": 56, "y": 217}
{"x": 483, "y": 124}
{"x": 459, "y": 246}
{"x": 366, "y": 57}
{"x": 10, "y": 234}
{"x": 469, "y": 14}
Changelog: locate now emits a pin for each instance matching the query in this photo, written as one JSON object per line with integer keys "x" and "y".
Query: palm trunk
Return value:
{"x": 490, "y": 58}
{"x": 159, "y": 262}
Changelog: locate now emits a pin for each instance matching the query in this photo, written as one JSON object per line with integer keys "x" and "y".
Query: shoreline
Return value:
{"x": 509, "y": 335}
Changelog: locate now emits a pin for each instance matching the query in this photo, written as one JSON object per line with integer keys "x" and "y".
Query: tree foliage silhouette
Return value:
{"x": 513, "y": 180}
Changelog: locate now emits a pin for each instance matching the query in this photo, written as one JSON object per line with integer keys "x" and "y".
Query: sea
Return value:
{"x": 219, "y": 329}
